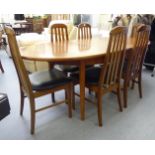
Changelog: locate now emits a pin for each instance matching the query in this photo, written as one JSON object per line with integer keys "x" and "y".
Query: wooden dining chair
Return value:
{"x": 107, "y": 78}
{"x": 132, "y": 70}
{"x": 134, "y": 29}
{"x": 84, "y": 31}
{"x": 59, "y": 32}
{"x": 38, "y": 84}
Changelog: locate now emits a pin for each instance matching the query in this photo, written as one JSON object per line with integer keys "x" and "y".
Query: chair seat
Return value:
{"x": 47, "y": 79}
{"x": 92, "y": 75}
{"x": 71, "y": 68}
{"x": 67, "y": 68}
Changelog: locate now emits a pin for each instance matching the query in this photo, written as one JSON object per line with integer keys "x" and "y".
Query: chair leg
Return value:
{"x": 69, "y": 100}
{"x": 53, "y": 97}
{"x": 140, "y": 86}
{"x": 32, "y": 110}
{"x": 95, "y": 94}
{"x": 89, "y": 92}
{"x": 21, "y": 101}
{"x": 125, "y": 94}
{"x": 66, "y": 94}
{"x": 99, "y": 108}
{"x": 1, "y": 67}
{"x": 73, "y": 97}
{"x": 119, "y": 99}
{"x": 133, "y": 84}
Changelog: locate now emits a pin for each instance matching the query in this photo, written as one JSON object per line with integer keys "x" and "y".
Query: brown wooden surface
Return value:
{"x": 44, "y": 51}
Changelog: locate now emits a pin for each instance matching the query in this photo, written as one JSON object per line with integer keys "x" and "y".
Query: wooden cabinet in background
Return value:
{"x": 37, "y": 24}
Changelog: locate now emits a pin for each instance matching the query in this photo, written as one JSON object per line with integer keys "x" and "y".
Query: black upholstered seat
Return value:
{"x": 92, "y": 75}
{"x": 67, "y": 68}
{"x": 44, "y": 80}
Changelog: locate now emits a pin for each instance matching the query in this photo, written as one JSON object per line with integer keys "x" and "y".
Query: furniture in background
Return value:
{"x": 60, "y": 17}
{"x": 3, "y": 39}
{"x": 4, "y": 106}
{"x": 132, "y": 71}
{"x": 22, "y": 27}
{"x": 3, "y": 43}
{"x": 37, "y": 24}
{"x": 39, "y": 83}
{"x": 149, "y": 60}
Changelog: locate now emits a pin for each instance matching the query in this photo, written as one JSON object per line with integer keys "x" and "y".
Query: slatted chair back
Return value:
{"x": 134, "y": 29}
{"x": 114, "y": 59}
{"x": 84, "y": 44}
{"x": 19, "y": 64}
{"x": 60, "y": 48}
{"x": 140, "y": 47}
{"x": 59, "y": 32}
{"x": 84, "y": 31}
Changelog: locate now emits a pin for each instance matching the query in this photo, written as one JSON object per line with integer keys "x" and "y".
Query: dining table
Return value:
{"x": 73, "y": 52}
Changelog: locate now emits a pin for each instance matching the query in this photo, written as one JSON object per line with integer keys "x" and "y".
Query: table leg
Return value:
{"x": 82, "y": 90}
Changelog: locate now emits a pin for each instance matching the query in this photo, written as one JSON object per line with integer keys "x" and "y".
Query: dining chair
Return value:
{"x": 134, "y": 29}
{"x": 84, "y": 31}
{"x": 132, "y": 70}
{"x": 107, "y": 78}
{"x": 59, "y": 33}
{"x": 38, "y": 84}
{"x": 84, "y": 38}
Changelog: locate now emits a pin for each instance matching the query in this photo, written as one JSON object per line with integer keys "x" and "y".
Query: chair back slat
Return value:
{"x": 134, "y": 29}
{"x": 60, "y": 48}
{"x": 84, "y": 31}
{"x": 19, "y": 64}
{"x": 59, "y": 32}
{"x": 112, "y": 68}
{"x": 140, "y": 47}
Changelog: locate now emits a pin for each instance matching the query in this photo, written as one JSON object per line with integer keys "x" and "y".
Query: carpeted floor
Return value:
{"x": 135, "y": 122}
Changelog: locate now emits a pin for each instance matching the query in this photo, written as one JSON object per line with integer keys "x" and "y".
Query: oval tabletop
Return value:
{"x": 67, "y": 51}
